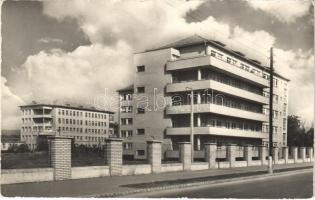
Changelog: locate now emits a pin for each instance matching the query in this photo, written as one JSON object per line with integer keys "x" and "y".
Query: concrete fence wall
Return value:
{"x": 60, "y": 150}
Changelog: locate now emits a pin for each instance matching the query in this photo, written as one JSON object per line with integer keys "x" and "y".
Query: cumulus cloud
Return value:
{"x": 10, "y": 110}
{"x": 285, "y": 10}
{"x": 79, "y": 75}
{"x": 116, "y": 29}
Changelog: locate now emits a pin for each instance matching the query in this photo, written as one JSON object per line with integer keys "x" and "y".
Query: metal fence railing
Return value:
{"x": 88, "y": 156}
{"x": 255, "y": 153}
{"x": 25, "y": 160}
{"x": 199, "y": 155}
{"x": 221, "y": 154}
{"x": 135, "y": 153}
{"x": 239, "y": 154}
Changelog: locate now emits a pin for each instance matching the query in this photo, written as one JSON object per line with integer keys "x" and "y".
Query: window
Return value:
{"x": 140, "y": 110}
{"x": 140, "y": 131}
{"x": 126, "y": 133}
{"x": 126, "y": 109}
{"x": 126, "y": 121}
{"x": 140, "y": 152}
{"x": 141, "y": 68}
{"x": 227, "y": 124}
{"x": 126, "y": 97}
{"x": 229, "y": 60}
{"x": 220, "y": 56}
{"x": 266, "y": 111}
{"x": 127, "y": 145}
{"x": 275, "y": 82}
{"x": 233, "y": 125}
{"x": 140, "y": 89}
{"x": 219, "y": 123}
{"x": 213, "y": 53}
{"x": 266, "y": 76}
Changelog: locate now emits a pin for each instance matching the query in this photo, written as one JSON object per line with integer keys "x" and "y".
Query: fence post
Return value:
{"x": 154, "y": 155}
{"x": 275, "y": 155}
{"x": 248, "y": 154}
{"x": 211, "y": 154}
{"x": 262, "y": 154}
{"x": 302, "y": 153}
{"x": 295, "y": 154}
{"x": 231, "y": 150}
{"x": 285, "y": 152}
{"x": 114, "y": 156}
{"x": 310, "y": 153}
{"x": 60, "y": 156}
{"x": 185, "y": 155}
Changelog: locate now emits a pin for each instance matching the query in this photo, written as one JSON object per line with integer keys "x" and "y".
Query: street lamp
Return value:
{"x": 191, "y": 121}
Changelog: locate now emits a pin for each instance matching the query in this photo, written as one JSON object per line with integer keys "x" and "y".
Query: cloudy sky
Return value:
{"x": 72, "y": 50}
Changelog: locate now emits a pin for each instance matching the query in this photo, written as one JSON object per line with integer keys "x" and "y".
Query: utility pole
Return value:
{"x": 270, "y": 167}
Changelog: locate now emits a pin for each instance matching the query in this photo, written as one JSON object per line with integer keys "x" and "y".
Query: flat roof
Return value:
{"x": 197, "y": 39}
{"x": 69, "y": 106}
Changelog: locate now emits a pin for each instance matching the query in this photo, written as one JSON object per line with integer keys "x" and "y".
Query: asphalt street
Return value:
{"x": 293, "y": 185}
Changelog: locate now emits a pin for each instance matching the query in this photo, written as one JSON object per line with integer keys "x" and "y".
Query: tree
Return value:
{"x": 297, "y": 134}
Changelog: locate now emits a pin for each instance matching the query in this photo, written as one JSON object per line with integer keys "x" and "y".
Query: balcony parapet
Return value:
{"x": 217, "y": 109}
{"x": 219, "y": 131}
{"x": 214, "y": 85}
{"x": 218, "y": 64}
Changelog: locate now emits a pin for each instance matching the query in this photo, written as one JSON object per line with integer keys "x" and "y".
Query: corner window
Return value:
{"x": 141, "y": 68}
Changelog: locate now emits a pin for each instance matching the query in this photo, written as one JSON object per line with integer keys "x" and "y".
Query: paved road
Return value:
{"x": 298, "y": 185}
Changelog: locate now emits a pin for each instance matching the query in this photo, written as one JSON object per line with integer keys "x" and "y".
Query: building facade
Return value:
{"x": 86, "y": 125}
{"x": 230, "y": 97}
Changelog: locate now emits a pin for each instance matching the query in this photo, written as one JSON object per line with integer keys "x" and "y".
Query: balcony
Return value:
{"x": 217, "y": 109}
{"x": 218, "y": 64}
{"x": 42, "y": 116}
{"x": 214, "y": 85}
{"x": 219, "y": 131}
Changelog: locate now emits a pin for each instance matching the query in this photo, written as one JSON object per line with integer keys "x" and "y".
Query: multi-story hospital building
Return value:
{"x": 86, "y": 125}
{"x": 230, "y": 104}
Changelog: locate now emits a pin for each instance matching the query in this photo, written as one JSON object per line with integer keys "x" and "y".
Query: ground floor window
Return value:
{"x": 140, "y": 152}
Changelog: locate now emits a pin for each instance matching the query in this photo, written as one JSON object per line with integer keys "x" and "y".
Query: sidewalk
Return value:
{"x": 118, "y": 184}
